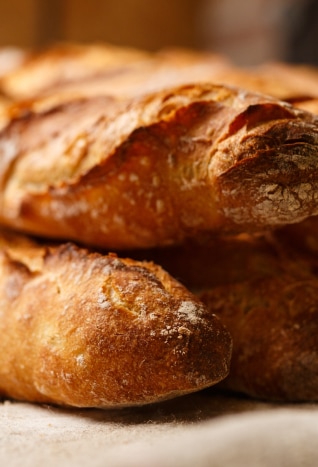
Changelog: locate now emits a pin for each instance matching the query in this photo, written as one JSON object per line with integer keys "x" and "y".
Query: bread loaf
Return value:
{"x": 281, "y": 80}
{"x": 91, "y": 69}
{"x": 86, "y": 330}
{"x": 274, "y": 327}
{"x": 266, "y": 293}
{"x": 222, "y": 260}
{"x": 63, "y": 63}
{"x": 159, "y": 169}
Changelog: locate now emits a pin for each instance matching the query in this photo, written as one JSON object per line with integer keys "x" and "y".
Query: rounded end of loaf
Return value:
{"x": 274, "y": 181}
{"x": 147, "y": 340}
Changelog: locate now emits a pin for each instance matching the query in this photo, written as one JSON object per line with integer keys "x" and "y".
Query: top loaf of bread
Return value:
{"x": 120, "y": 171}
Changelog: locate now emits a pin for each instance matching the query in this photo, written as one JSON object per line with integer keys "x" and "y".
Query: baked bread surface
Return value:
{"x": 88, "y": 161}
{"x": 273, "y": 323}
{"x": 89, "y": 330}
{"x": 264, "y": 288}
{"x": 64, "y": 63}
{"x": 158, "y": 169}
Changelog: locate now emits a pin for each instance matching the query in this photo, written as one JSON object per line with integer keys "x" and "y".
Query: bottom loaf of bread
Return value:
{"x": 264, "y": 288}
{"x": 274, "y": 324}
{"x": 89, "y": 330}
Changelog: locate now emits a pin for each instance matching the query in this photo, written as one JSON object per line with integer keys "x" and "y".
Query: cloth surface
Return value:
{"x": 203, "y": 430}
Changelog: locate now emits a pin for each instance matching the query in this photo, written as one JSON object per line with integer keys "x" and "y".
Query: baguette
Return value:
{"x": 136, "y": 78}
{"x": 157, "y": 170}
{"x": 86, "y": 330}
{"x": 64, "y": 63}
{"x": 220, "y": 261}
{"x": 266, "y": 293}
{"x": 273, "y": 323}
{"x": 280, "y": 80}
{"x": 74, "y": 69}
{"x": 80, "y": 70}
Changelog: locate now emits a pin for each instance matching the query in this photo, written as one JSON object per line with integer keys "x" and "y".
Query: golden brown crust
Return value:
{"x": 280, "y": 80}
{"x": 266, "y": 291}
{"x": 274, "y": 325}
{"x": 69, "y": 70}
{"x": 87, "y": 330}
{"x": 76, "y": 70}
{"x": 64, "y": 63}
{"x": 273, "y": 319}
{"x": 158, "y": 169}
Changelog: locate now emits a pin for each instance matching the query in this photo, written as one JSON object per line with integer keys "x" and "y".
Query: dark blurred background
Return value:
{"x": 248, "y": 31}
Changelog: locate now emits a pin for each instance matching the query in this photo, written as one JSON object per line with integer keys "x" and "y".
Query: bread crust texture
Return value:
{"x": 159, "y": 169}
{"x": 264, "y": 288}
{"x": 273, "y": 323}
{"x": 83, "y": 329}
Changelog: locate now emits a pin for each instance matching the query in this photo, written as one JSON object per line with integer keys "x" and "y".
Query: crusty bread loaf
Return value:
{"x": 92, "y": 69}
{"x": 266, "y": 293}
{"x": 82, "y": 329}
{"x": 102, "y": 71}
{"x": 99, "y": 160}
{"x": 274, "y": 325}
{"x": 158, "y": 169}
{"x": 281, "y": 80}
{"x": 63, "y": 63}
{"x": 137, "y": 77}
{"x": 80, "y": 70}
{"x": 221, "y": 260}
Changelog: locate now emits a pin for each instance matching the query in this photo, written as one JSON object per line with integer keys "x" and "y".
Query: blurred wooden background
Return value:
{"x": 248, "y": 31}
{"x": 140, "y": 23}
